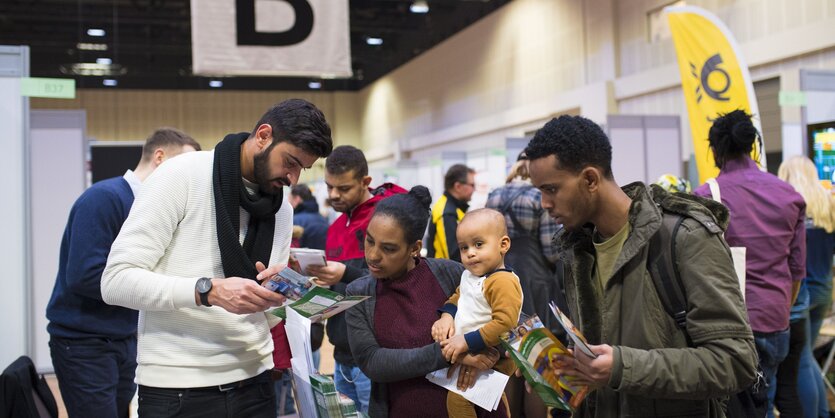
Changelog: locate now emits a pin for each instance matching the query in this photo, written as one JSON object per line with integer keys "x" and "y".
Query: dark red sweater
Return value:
{"x": 404, "y": 313}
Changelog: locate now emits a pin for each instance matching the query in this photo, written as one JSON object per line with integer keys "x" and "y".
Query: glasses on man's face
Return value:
{"x": 469, "y": 184}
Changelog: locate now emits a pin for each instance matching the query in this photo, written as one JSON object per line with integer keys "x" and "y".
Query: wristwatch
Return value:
{"x": 203, "y": 287}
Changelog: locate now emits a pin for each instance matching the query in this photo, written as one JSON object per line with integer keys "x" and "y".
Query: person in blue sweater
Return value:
{"x": 306, "y": 215}
{"x": 93, "y": 344}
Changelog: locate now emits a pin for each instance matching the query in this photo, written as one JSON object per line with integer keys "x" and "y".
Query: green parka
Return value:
{"x": 655, "y": 373}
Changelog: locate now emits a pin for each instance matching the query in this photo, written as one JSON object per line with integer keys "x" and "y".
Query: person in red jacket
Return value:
{"x": 347, "y": 179}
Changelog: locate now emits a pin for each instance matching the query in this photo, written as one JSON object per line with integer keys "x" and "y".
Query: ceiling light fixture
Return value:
{"x": 216, "y": 84}
{"x": 419, "y": 6}
{"x": 89, "y": 68}
{"x": 104, "y": 61}
{"x": 109, "y": 82}
{"x": 374, "y": 41}
{"x": 315, "y": 85}
{"x": 95, "y": 32}
{"x": 88, "y": 46}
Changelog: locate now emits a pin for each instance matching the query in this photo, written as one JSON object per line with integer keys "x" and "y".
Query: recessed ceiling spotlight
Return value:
{"x": 216, "y": 84}
{"x": 419, "y": 6}
{"x": 374, "y": 41}
{"x": 109, "y": 82}
{"x": 314, "y": 85}
{"x": 95, "y": 32}
{"x": 104, "y": 61}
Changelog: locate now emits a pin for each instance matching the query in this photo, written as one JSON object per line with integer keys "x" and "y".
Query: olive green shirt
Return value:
{"x": 607, "y": 253}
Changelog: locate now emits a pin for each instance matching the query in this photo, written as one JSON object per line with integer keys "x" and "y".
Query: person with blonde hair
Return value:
{"x": 815, "y": 298}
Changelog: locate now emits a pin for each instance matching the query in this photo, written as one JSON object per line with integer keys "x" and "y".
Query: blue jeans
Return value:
{"x": 820, "y": 300}
{"x": 284, "y": 404}
{"x": 810, "y": 387}
{"x": 772, "y": 349}
{"x": 95, "y": 374}
{"x": 351, "y": 382}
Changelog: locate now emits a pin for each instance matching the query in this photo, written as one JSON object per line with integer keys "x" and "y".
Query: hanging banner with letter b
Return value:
{"x": 714, "y": 78}
{"x": 271, "y": 38}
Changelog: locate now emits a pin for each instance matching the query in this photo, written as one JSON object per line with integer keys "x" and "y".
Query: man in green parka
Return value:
{"x": 646, "y": 365}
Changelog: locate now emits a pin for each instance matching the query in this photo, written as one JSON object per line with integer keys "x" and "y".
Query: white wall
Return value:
{"x": 14, "y": 63}
{"x": 533, "y": 59}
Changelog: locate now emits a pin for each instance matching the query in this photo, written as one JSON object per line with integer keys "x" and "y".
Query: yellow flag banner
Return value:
{"x": 714, "y": 78}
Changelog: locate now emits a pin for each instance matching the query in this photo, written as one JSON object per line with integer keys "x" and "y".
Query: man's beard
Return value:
{"x": 261, "y": 171}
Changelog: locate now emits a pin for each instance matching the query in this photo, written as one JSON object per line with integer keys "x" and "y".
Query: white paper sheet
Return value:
{"x": 303, "y": 392}
{"x": 487, "y": 392}
{"x": 298, "y": 335}
{"x": 308, "y": 257}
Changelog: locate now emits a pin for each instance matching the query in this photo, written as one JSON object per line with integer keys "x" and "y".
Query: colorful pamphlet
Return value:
{"x": 319, "y": 304}
{"x": 290, "y": 283}
{"x": 576, "y": 336}
{"x": 533, "y": 347}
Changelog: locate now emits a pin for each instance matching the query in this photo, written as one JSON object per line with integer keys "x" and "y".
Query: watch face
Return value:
{"x": 204, "y": 285}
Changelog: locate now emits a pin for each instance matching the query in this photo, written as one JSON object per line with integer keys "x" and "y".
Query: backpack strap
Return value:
{"x": 663, "y": 269}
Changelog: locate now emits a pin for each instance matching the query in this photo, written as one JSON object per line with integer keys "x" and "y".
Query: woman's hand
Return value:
{"x": 467, "y": 377}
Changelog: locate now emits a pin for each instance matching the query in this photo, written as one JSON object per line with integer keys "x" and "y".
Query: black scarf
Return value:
{"x": 230, "y": 196}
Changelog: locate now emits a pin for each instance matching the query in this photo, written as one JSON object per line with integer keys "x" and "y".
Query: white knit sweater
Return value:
{"x": 167, "y": 243}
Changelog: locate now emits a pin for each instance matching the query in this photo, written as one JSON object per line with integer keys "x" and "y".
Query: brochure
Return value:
{"x": 532, "y": 347}
{"x": 307, "y": 257}
{"x": 290, "y": 283}
{"x": 319, "y": 304}
{"x": 576, "y": 336}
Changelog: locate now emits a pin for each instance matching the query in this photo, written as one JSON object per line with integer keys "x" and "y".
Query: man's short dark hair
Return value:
{"x": 345, "y": 158}
{"x": 302, "y": 191}
{"x": 456, "y": 174}
{"x": 165, "y": 138}
{"x": 577, "y": 143}
{"x": 301, "y": 124}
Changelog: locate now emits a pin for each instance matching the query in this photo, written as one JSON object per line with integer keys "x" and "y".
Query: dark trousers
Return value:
{"x": 787, "y": 400}
{"x": 255, "y": 399}
{"x": 95, "y": 375}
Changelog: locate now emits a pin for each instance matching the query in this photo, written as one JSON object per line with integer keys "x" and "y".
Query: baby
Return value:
{"x": 486, "y": 304}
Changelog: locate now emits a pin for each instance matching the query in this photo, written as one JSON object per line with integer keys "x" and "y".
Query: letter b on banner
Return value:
{"x": 247, "y": 35}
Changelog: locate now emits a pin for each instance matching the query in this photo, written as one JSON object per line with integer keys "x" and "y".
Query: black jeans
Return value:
{"x": 254, "y": 400}
{"x": 95, "y": 375}
{"x": 787, "y": 400}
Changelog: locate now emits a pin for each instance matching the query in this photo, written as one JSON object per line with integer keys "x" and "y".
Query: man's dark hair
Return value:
{"x": 409, "y": 210}
{"x": 302, "y": 191}
{"x": 456, "y": 174}
{"x": 301, "y": 124}
{"x": 165, "y": 138}
{"x": 732, "y": 136}
{"x": 577, "y": 143}
{"x": 345, "y": 158}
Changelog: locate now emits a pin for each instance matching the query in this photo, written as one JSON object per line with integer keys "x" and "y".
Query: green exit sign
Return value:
{"x": 56, "y": 88}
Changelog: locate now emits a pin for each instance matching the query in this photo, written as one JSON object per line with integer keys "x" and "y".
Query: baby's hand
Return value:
{"x": 454, "y": 347}
{"x": 443, "y": 328}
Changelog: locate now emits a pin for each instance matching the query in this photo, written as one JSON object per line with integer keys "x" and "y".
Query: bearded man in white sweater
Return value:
{"x": 190, "y": 257}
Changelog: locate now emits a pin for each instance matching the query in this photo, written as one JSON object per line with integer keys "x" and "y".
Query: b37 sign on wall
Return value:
{"x": 271, "y": 37}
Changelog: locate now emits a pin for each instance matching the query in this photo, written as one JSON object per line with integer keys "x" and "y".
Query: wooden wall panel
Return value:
{"x": 130, "y": 115}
